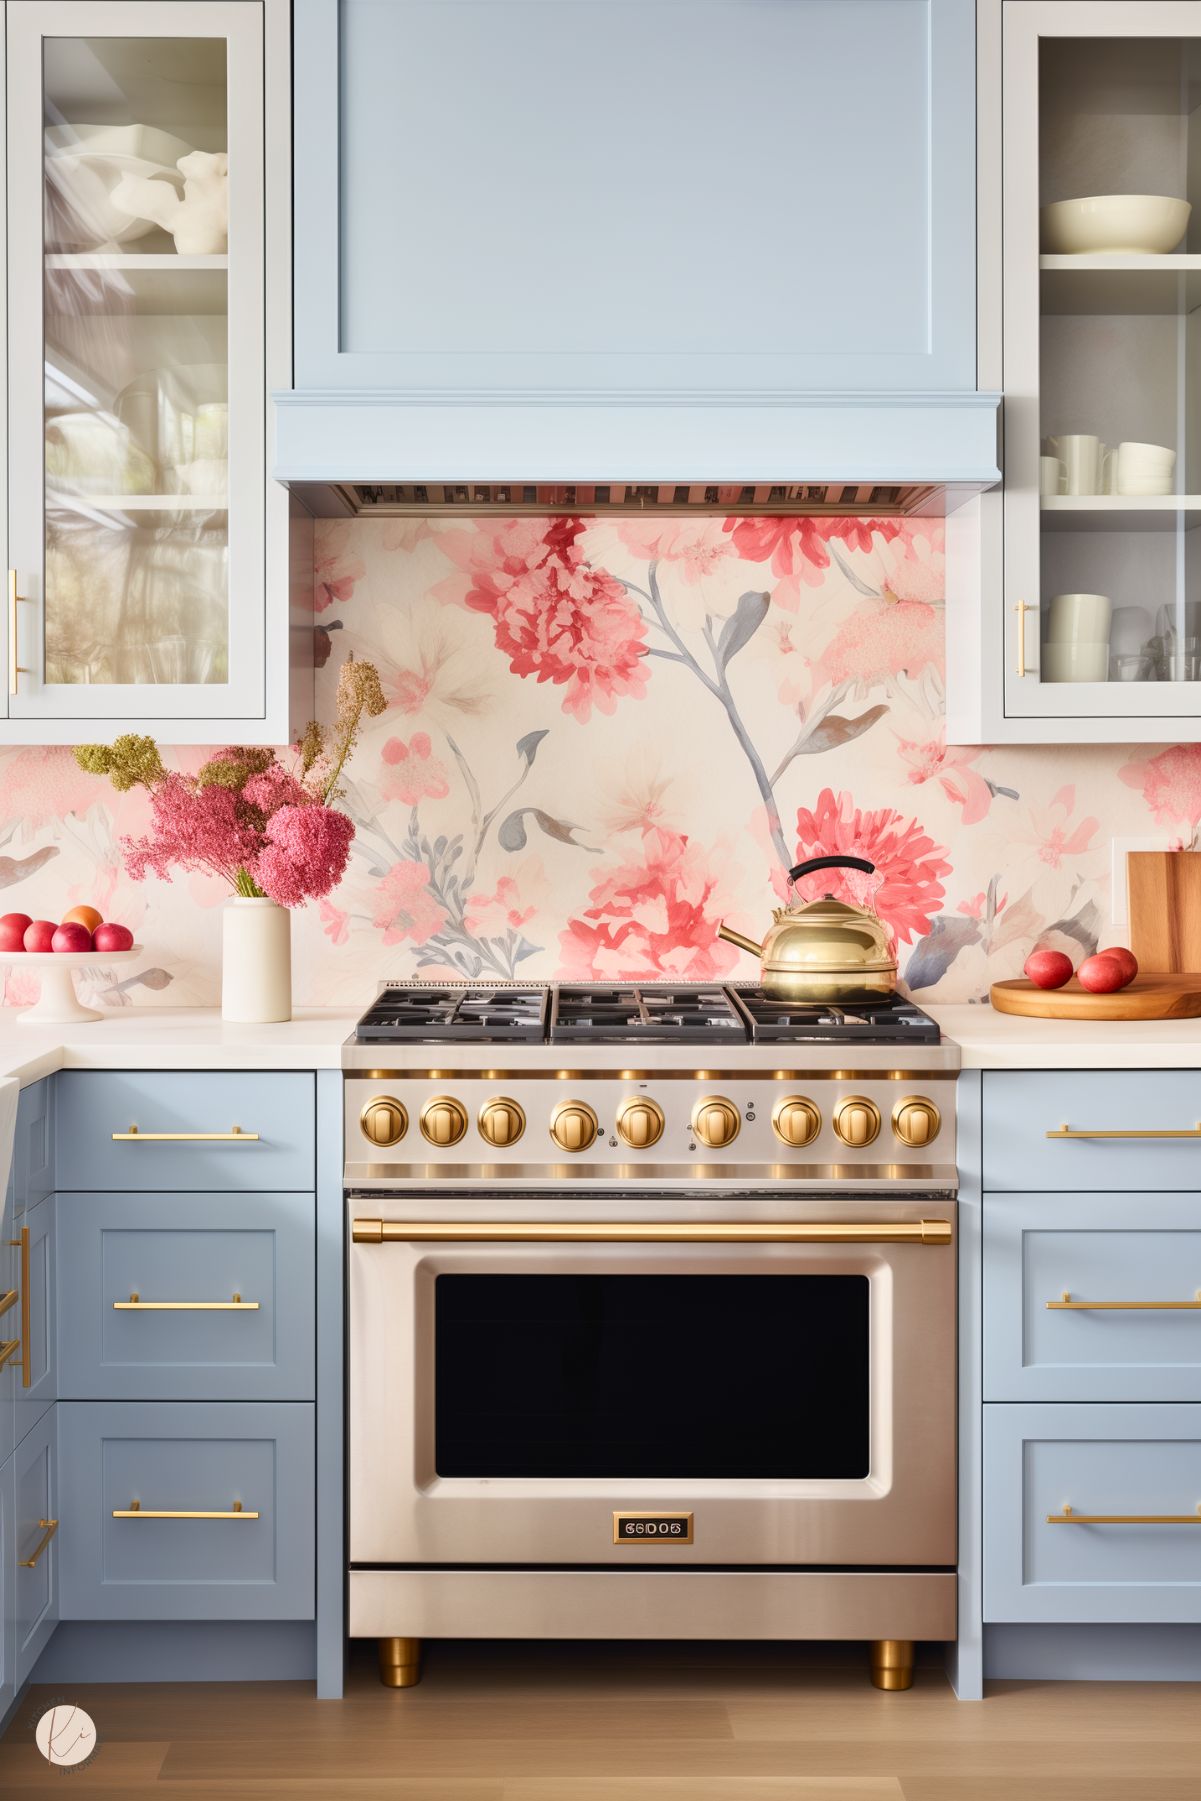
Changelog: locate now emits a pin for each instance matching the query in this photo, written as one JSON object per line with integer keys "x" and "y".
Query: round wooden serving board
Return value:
{"x": 1148, "y": 997}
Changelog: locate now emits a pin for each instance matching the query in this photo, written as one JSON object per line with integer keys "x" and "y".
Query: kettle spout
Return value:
{"x": 733, "y": 937}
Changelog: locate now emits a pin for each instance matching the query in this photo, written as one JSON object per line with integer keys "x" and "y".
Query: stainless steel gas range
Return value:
{"x": 652, "y": 1318}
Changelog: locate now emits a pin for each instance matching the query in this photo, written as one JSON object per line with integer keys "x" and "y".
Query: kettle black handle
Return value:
{"x": 794, "y": 875}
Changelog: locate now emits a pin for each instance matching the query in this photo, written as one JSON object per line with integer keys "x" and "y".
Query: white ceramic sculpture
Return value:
{"x": 199, "y": 222}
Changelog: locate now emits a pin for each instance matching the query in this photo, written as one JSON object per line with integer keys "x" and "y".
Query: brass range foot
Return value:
{"x": 400, "y": 1662}
{"x": 892, "y": 1662}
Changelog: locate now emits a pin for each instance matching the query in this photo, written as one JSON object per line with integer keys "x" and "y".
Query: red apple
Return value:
{"x": 112, "y": 937}
{"x": 13, "y": 928}
{"x": 1120, "y": 954}
{"x": 1047, "y": 969}
{"x": 1101, "y": 974}
{"x": 39, "y": 935}
{"x": 72, "y": 939}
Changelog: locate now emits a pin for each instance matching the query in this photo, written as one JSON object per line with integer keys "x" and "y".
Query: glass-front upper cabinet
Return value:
{"x": 1101, "y": 244}
{"x": 137, "y": 383}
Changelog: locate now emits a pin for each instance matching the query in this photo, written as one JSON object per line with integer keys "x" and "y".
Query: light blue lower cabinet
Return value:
{"x": 37, "y": 1545}
{"x": 188, "y": 1510}
{"x": 8, "y": 1591}
{"x": 1087, "y": 1297}
{"x": 35, "y": 1381}
{"x": 1121, "y": 1481}
{"x": 1021, "y": 1107}
{"x": 10, "y": 1326}
{"x": 187, "y": 1296}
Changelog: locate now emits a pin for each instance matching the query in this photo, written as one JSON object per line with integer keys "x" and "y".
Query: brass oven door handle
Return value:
{"x": 135, "y": 1511}
{"x": 1127, "y": 1132}
{"x": 924, "y": 1231}
{"x": 48, "y": 1529}
{"x": 235, "y": 1135}
{"x": 15, "y": 669}
{"x": 135, "y": 1304}
{"x": 1065, "y": 1304}
{"x": 1069, "y": 1518}
{"x": 22, "y": 1242}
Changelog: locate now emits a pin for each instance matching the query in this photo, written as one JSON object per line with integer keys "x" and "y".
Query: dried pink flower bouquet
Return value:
{"x": 269, "y": 830}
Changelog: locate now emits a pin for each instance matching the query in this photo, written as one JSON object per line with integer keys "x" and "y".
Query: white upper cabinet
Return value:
{"x": 146, "y": 549}
{"x": 562, "y": 204}
{"x": 1090, "y": 618}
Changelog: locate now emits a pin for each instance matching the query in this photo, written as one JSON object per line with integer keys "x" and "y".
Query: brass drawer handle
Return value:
{"x": 1068, "y": 1518}
{"x": 15, "y": 669}
{"x": 924, "y": 1231}
{"x": 48, "y": 1528}
{"x": 1159, "y": 1132}
{"x": 23, "y": 1243}
{"x": 1065, "y": 1304}
{"x": 8, "y": 1349}
{"x": 135, "y": 1511}
{"x": 234, "y": 1136}
{"x": 1021, "y": 609}
{"x": 135, "y": 1304}
{"x": 9, "y": 1297}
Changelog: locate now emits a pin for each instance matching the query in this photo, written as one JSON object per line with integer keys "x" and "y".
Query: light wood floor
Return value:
{"x": 627, "y": 1723}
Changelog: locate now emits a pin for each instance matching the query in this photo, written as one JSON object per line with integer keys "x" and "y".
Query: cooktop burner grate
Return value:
{"x": 442, "y": 1010}
{"x": 886, "y": 1019}
{"x": 631, "y": 1014}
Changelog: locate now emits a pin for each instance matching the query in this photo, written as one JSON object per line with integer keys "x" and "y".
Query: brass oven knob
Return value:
{"x": 916, "y": 1120}
{"x": 640, "y": 1121}
{"x": 443, "y": 1120}
{"x": 856, "y": 1120}
{"x": 501, "y": 1121}
{"x": 796, "y": 1120}
{"x": 715, "y": 1121}
{"x": 383, "y": 1120}
{"x": 573, "y": 1125}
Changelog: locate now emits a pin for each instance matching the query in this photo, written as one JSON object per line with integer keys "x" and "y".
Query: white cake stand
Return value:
{"x": 58, "y": 1005}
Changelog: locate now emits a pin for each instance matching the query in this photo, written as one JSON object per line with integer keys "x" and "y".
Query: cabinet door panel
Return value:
{"x": 136, "y": 1268}
{"x": 35, "y": 1530}
{"x": 37, "y": 1378}
{"x": 1021, "y": 1107}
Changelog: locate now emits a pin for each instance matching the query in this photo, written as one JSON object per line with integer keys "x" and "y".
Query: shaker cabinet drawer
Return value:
{"x": 188, "y": 1511}
{"x": 133, "y": 1129}
{"x": 37, "y": 1518}
{"x": 186, "y": 1296}
{"x": 1092, "y": 1297}
{"x": 1091, "y": 1514}
{"x": 1133, "y": 1131}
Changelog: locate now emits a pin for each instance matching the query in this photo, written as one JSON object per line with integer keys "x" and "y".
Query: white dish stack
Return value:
{"x": 1077, "y": 641}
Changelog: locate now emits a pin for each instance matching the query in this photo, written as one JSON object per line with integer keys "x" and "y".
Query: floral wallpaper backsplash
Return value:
{"x": 604, "y": 736}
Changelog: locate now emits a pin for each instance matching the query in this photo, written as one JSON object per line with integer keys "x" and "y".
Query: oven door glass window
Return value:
{"x": 627, "y": 1376}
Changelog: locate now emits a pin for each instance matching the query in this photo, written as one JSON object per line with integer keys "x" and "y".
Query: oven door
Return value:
{"x": 754, "y": 1382}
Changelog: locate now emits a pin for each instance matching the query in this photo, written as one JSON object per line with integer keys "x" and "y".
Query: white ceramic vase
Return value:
{"x": 256, "y": 962}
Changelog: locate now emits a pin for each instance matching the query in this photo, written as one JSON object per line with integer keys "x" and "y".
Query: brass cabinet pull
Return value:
{"x": 235, "y": 1135}
{"x": 135, "y": 1304}
{"x": 135, "y": 1511}
{"x": 1155, "y": 1132}
{"x": 925, "y": 1231}
{"x": 1069, "y": 1518}
{"x": 23, "y": 1243}
{"x": 1065, "y": 1304}
{"x": 9, "y": 1297}
{"x": 48, "y": 1529}
{"x": 8, "y": 1348}
{"x": 1021, "y": 609}
{"x": 15, "y": 668}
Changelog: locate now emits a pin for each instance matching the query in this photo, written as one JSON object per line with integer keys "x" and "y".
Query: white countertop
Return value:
{"x": 198, "y": 1038}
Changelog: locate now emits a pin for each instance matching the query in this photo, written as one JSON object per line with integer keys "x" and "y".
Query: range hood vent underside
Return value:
{"x": 389, "y": 499}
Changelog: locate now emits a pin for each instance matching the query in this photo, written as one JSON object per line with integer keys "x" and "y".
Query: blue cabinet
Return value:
{"x": 188, "y": 1512}
{"x": 1080, "y": 1129}
{"x": 510, "y": 203}
{"x": 187, "y": 1297}
{"x": 36, "y": 1508}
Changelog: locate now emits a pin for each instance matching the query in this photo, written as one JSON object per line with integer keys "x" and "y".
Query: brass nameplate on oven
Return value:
{"x": 652, "y": 1528}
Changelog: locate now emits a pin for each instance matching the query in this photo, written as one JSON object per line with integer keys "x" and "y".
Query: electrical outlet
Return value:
{"x": 1119, "y": 899}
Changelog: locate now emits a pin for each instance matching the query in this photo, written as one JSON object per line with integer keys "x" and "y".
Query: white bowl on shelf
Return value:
{"x": 57, "y": 1004}
{"x": 1114, "y": 223}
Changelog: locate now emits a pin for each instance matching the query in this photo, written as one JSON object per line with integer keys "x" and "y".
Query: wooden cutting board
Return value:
{"x": 1148, "y": 997}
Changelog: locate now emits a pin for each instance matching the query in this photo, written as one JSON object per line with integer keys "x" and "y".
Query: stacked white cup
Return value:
{"x": 1077, "y": 642}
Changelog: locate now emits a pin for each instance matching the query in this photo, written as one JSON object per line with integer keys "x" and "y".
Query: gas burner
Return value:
{"x": 884, "y": 1019}
{"x": 629, "y": 1014}
{"x": 443, "y": 1010}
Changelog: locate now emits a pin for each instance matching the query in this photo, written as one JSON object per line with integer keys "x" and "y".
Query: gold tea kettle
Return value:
{"x": 822, "y": 950}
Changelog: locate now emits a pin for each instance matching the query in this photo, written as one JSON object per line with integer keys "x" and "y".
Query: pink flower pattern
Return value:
{"x": 655, "y": 913}
{"x": 1171, "y": 785}
{"x": 906, "y": 889}
{"x": 404, "y": 906}
{"x": 412, "y": 772}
